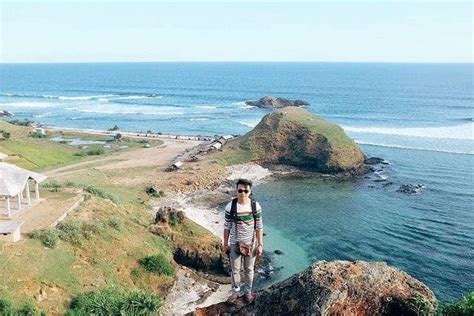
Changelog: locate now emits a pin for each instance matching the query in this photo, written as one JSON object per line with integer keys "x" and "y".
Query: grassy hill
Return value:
{"x": 296, "y": 137}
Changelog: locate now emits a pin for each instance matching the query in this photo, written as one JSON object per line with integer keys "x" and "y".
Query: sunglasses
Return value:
{"x": 243, "y": 191}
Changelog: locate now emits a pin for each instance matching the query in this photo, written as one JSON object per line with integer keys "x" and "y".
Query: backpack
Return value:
{"x": 253, "y": 204}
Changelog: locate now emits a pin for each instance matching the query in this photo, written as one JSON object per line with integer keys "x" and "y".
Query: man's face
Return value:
{"x": 243, "y": 190}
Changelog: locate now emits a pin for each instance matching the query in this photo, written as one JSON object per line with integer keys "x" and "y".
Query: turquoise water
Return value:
{"x": 417, "y": 116}
{"x": 429, "y": 235}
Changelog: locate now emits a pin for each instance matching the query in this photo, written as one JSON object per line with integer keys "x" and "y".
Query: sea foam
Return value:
{"x": 464, "y": 131}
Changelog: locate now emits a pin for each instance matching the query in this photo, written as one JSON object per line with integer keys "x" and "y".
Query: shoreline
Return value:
{"x": 129, "y": 134}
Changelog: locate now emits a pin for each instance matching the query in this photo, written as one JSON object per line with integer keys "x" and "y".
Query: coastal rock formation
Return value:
{"x": 193, "y": 246}
{"x": 337, "y": 288}
{"x": 410, "y": 188}
{"x": 293, "y": 136}
{"x": 275, "y": 103}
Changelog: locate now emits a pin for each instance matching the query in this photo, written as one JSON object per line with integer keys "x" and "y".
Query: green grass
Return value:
{"x": 49, "y": 237}
{"x": 112, "y": 302}
{"x": 463, "y": 307}
{"x": 41, "y": 153}
{"x": 26, "y": 309}
{"x": 159, "y": 264}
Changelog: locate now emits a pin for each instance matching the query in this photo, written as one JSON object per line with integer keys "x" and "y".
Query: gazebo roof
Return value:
{"x": 13, "y": 179}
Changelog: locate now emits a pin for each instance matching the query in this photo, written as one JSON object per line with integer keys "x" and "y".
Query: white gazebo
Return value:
{"x": 15, "y": 186}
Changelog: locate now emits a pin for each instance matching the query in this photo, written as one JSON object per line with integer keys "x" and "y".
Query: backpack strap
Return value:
{"x": 233, "y": 209}
{"x": 253, "y": 203}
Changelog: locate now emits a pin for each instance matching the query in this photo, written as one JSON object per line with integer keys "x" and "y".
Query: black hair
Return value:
{"x": 244, "y": 182}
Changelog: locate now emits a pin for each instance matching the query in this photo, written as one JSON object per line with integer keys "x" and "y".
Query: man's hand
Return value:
{"x": 259, "y": 250}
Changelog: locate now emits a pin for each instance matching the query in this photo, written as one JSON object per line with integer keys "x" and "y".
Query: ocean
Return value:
{"x": 416, "y": 116}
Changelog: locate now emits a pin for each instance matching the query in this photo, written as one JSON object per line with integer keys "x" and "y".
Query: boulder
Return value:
{"x": 374, "y": 161}
{"x": 337, "y": 288}
{"x": 295, "y": 137}
{"x": 410, "y": 188}
{"x": 275, "y": 103}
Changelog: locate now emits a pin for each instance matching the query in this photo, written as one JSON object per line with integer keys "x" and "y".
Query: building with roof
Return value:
{"x": 15, "y": 187}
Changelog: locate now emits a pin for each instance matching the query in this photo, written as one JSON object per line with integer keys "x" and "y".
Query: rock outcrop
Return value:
{"x": 275, "y": 103}
{"x": 293, "y": 136}
{"x": 411, "y": 188}
{"x": 193, "y": 246}
{"x": 337, "y": 288}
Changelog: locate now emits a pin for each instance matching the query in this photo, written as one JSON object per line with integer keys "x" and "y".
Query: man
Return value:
{"x": 243, "y": 224}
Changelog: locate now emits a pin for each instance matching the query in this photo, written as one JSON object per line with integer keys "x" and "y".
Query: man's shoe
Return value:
{"x": 250, "y": 297}
{"x": 235, "y": 294}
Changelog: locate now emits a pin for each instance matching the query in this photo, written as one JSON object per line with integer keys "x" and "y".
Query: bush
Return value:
{"x": 115, "y": 223}
{"x": 420, "y": 305}
{"x": 100, "y": 193}
{"x": 48, "y": 236}
{"x": 25, "y": 122}
{"x": 6, "y": 307}
{"x": 102, "y": 302}
{"x": 71, "y": 231}
{"x": 140, "y": 302}
{"x": 112, "y": 302}
{"x": 157, "y": 264}
{"x": 38, "y": 135}
{"x": 6, "y": 135}
{"x": 465, "y": 307}
{"x": 95, "y": 152}
{"x": 28, "y": 309}
{"x": 90, "y": 229}
{"x": 53, "y": 185}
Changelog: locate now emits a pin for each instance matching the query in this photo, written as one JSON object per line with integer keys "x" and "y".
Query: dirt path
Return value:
{"x": 144, "y": 157}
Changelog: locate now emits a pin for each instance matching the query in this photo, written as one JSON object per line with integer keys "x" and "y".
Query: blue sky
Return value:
{"x": 93, "y": 31}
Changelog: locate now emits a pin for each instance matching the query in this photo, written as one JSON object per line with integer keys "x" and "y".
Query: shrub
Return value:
{"x": 140, "y": 302}
{"x": 90, "y": 229}
{"x": 112, "y": 302}
{"x": 28, "y": 309}
{"x": 157, "y": 264}
{"x": 6, "y": 135}
{"x": 53, "y": 185}
{"x": 38, "y": 135}
{"x": 102, "y": 302}
{"x": 48, "y": 236}
{"x": 6, "y": 307}
{"x": 71, "y": 231}
{"x": 95, "y": 152}
{"x": 115, "y": 223}
{"x": 420, "y": 305}
{"x": 24, "y": 122}
{"x": 465, "y": 307}
{"x": 98, "y": 192}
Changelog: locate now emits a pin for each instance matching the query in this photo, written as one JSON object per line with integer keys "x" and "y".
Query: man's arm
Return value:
{"x": 227, "y": 227}
{"x": 260, "y": 237}
{"x": 259, "y": 230}
{"x": 226, "y": 237}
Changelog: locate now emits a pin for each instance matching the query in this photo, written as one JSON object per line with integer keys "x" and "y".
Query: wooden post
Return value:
{"x": 8, "y": 207}
{"x": 19, "y": 201}
{"x": 37, "y": 192}
{"x": 28, "y": 197}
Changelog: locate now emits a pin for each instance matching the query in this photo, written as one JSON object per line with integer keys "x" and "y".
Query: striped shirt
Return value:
{"x": 245, "y": 222}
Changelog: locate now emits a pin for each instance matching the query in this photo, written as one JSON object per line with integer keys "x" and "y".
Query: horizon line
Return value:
{"x": 236, "y": 61}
